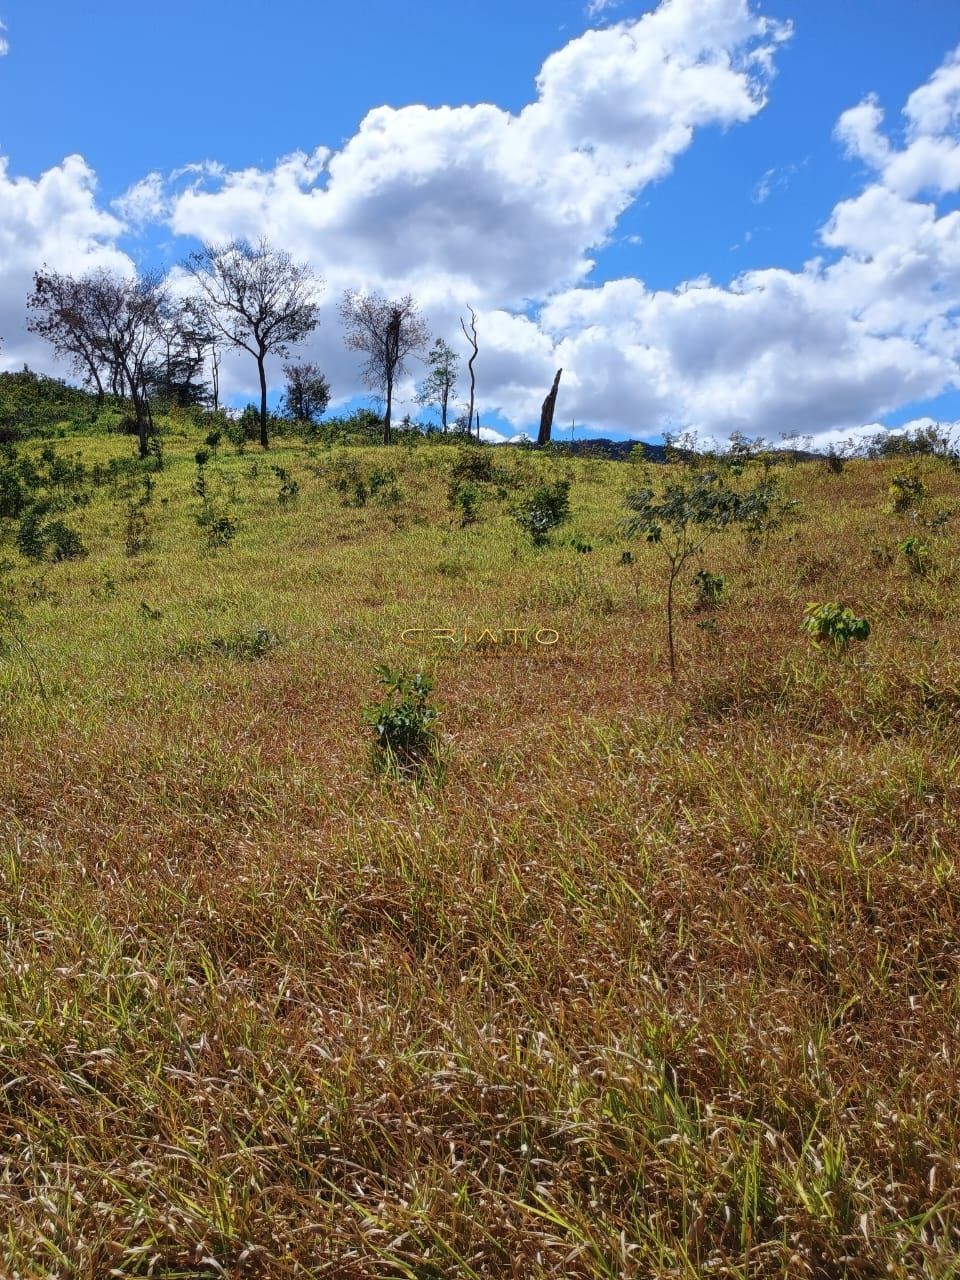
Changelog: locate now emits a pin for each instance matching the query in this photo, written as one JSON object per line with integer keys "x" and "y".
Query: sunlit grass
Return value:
{"x": 658, "y": 981}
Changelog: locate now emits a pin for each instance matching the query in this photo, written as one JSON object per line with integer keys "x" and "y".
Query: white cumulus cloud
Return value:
{"x": 506, "y": 211}
{"x": 55, "y": 221}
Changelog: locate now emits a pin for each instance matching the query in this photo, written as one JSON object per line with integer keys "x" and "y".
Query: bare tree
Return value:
{"x": 130, "y": 315}
{"x": 388, "y": 331}
{"x": 111, "y": 326}
{"x": 258, "y": 299}
{"x": 471, "y": 337}
{"x": 60, "y": 313}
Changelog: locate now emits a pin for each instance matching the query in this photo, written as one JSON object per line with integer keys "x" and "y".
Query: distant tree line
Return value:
{"x": 141, "y": 339}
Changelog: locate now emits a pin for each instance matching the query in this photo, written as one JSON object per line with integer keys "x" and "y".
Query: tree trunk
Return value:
{"x": 142, "y": 431}
{"x": 478, "y": 426}
{"x": 97, "y": 381}
{"x": 546, "y": 413}
{"x": 443, "y": 410}
{"x": 672, "y": 653}
{"x": 263, "y": 400}
{"x": 471, "y": 337}
{"x": 387, "y": 415}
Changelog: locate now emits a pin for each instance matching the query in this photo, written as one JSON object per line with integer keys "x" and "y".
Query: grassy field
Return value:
{"x": 658, "y": 979}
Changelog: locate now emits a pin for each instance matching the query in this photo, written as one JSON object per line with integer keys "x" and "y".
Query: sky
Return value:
{"x": 715, "y": 215}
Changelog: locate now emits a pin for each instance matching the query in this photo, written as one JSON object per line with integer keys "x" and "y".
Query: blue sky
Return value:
{"x": 760, "y": 172}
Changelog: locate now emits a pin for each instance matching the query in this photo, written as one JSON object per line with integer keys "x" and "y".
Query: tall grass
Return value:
{"x": 660, "y": 981}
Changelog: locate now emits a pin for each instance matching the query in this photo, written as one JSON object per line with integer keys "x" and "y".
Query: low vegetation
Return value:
{"x": 651, "y": 978}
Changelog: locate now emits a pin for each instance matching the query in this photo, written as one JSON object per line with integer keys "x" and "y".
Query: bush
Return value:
{"x": 405, "y": 738}
{"x": 65, "y": 542}
{"x": 835, "y": 623}
{"x": 688, "y": 513}
{"x": 136, "y": 533}
{"x": 383, "y": 479}
{"x": 709, "y": 587}
{"x": 930, "y": 441}
{"x": 473, "y": 462}
{"x": 289, "y": 488}
{"x": 543, "y": 509}
{"x": 220, "y": 523}
{"x": 906, "y": 493}
{"x": 464, "y": 497}
{"x": 246, "y": 644}
{"x": 349, "y": 481}
{"x": 31, "y": 537}
{"x": 917, "y": 554}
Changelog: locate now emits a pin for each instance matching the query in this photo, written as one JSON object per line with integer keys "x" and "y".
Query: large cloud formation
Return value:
{"x": 507, "y": 212}
{"x": 55, "y": 221}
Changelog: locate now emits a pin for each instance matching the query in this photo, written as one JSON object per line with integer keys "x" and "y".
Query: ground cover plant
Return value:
{"x": 659, "y": 979}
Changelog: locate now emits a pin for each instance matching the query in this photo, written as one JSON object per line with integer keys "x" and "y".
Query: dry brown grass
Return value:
{"x": 659, "y": 981}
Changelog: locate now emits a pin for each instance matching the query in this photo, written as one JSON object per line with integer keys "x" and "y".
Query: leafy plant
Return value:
{"x": 709, "y": 587}
{"x": 349, "y": 481}
{"x": 65, "y": 543}
{"x": 917, "y": 554}
{"x": 381, "y": 478}
{"x": 246, "y": 644}
{"x": 834, "y": 623}
{"x": 465, "y": 498}
{"x": 136, "y": 532}
{"x": 473, "y": 462}
{"x": 906, "y": 492}
{"x": 834, "y": 461}
{"x": 31, "y": 537}
{"x": 403, "y": 723}
{"x": 543, "y": 509}
{"x": 289, "y": 487}
{"x": 629, "y": 562}
{"x": 220, "y": 523}
{"x": 686, "y": 515}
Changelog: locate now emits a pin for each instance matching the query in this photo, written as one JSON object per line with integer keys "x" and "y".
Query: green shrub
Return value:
{"x": 349, "y": 481}
{"x": 136, "y": 533}
{"x": 289, "y": 487}
{"x": 709, "y": 587}
{"x": 464, "y": 497}
{"x": 403, "y": 723}
{"x": 834, "y": 623}
{"x": 31, "y": 537}
{"x": 246, "y": 644}
{"x": 473, "y": 462}
{"x": 543, "y": 509}
{"x": 65, "y": 543}
{"x": 220, "y": 523}
{"x": 917, "y": 554}
{"x": 906, "y": 492}
{"x": 381, "y": 478}
{"x": 689, "y": 512}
